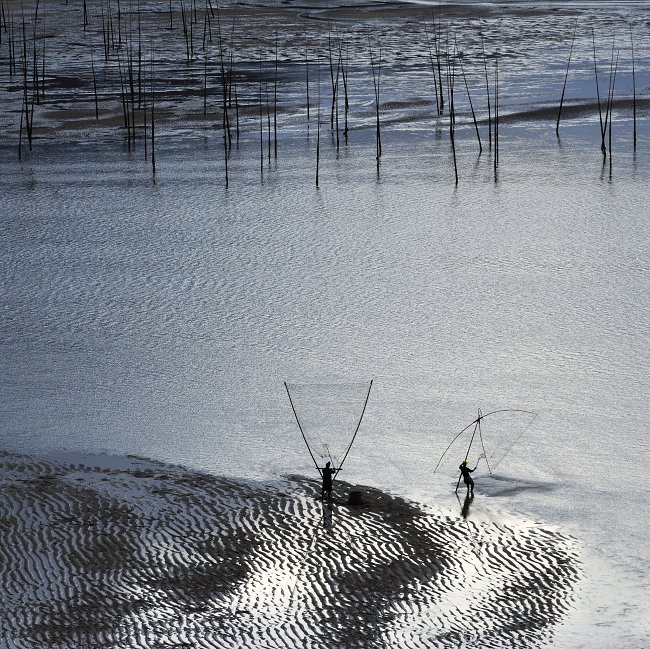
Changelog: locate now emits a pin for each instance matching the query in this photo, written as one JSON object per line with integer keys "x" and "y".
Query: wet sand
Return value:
{"x": 123, "y": 552}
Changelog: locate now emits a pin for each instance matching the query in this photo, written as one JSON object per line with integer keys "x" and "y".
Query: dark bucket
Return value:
{"x": 355, "y": 498}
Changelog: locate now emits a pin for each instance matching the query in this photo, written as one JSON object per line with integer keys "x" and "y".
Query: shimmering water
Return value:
{"x": 161, "y": 318}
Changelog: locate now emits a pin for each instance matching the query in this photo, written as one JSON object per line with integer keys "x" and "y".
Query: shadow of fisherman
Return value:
{"x": 328, "y": 473}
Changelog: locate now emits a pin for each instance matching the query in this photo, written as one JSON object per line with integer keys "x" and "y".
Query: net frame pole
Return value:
{"x": 295, "y": 414}
{"x": 452, "y": 443}
{"x": 480, "y": 435}
{"x": 477, "y": 423}
{"x": 365, "y": 403}
{"x": 494, "y": 412}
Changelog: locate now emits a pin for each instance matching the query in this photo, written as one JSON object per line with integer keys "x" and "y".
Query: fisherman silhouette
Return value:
{"x": 328, "y": 474}
{"x": 467, "y": 478}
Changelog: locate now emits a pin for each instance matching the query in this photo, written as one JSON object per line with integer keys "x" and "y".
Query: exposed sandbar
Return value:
{"x": 117, "y": 552}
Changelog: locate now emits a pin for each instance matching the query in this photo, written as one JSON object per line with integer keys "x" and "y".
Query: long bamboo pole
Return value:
{"x": 633, "y": 92}
{"x": 600, "y": 109}
{"x": 302, "y": 432}
{"x": 363, "y": 410}
{"x": 469, "y": 448}
{"x": 566, "y": 76}
{"x": 471, "y": 105}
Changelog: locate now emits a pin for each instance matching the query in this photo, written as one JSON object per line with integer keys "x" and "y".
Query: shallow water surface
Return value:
{"x": 160, "y": 317}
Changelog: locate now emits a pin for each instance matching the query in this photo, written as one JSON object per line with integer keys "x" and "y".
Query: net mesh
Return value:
{"x": 499, "y": 431}
{"x": 329, "y": 415}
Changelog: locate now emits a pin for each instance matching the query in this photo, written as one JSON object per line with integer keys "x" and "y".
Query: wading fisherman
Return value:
{"x": 467, "y": 478}
{"x": 328, "y": 474}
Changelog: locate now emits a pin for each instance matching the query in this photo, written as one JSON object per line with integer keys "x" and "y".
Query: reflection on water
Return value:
{"x": 160, "y": 318}
{"x": 466, "y": 504}
{"x": 163, "y": 319}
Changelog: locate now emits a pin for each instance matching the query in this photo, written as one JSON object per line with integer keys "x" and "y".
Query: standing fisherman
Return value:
{"x": 467, "y": 478}
{"x": 328, "y": 474}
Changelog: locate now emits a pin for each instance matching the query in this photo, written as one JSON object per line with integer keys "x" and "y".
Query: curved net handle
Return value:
{"x": 365, "y": 403}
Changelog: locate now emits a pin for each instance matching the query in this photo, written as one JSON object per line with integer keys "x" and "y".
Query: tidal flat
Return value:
{"x": 316, "y": 211}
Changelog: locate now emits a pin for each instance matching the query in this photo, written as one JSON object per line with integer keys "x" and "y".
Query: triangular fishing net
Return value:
{"x": 329, "y": 416}
{"x": 490, "y": 437}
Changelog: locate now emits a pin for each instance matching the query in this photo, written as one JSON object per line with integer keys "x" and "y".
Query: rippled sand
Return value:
{"x": 117, "y": 552}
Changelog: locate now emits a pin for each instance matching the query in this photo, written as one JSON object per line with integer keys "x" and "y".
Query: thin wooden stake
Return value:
{"x": 205, "y": 84}
{"x": 451, "y": 71}
{"x": 268, "y": 119}
{"x": 566, "y": 76}
{"x": 433, "y": 70}
{"x": 375, "y": 81}
{"x": 275, "y": 101}
{"x": 496, "y": 115}
{"x": 318, "y": 120}
{"x": 144, "y": 116}
{"x": 344, "y": 74}
{"x": 611, "y": 111}
{"x": 600, "y": 110}
{"x": 607, "y": 106}
{"x": 261, "y": 122}
{"x": 20, "y": 136}
{"x": 307, "y": 83}
{"x": 43, "y": 74}
{"x": 437, "y": 46}
{"x": 469, "y": 97}
{"x": 329, "y": 47}
{"x": 633, "y": 92}
{"x": 92, "y": 65}
{"x": 153, "y": 119}
{"x": 487, "y": 92}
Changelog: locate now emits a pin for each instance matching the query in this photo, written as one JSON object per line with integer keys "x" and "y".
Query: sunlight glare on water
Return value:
{"x": 167, "y": 317}
{"x": 160, "y": 318}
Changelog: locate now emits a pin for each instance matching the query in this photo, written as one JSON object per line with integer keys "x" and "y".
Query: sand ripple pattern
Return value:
{"x": 151, "y": 556}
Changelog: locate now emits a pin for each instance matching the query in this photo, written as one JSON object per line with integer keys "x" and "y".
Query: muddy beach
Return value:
{"x": 123, "y": 552}
{"x": 229, "y": 73}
